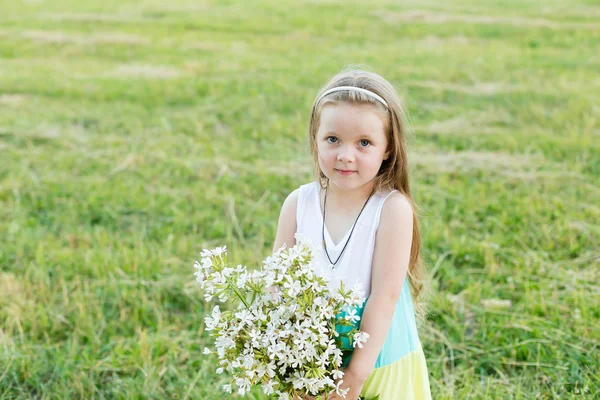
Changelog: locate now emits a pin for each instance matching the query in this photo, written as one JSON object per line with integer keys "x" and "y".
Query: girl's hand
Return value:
{"x": 350, "y": 381}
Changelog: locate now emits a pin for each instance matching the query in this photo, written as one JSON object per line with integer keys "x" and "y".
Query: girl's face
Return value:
{"x": 351, "y": 144}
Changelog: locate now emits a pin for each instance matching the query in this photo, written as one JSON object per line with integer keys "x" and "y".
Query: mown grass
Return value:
{"x": 133, "y": 134}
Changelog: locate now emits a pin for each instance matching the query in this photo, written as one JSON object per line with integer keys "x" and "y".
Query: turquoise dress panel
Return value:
{"x": 402, "y": 337}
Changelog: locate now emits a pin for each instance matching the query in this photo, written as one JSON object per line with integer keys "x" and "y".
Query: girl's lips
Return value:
{"x": 345, "y": 172}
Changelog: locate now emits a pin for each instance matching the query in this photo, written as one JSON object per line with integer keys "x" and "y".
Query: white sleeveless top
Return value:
{"x": 354, "y": 267}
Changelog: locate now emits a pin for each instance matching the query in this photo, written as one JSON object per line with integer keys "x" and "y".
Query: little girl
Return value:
{"x": 360, "y": 212}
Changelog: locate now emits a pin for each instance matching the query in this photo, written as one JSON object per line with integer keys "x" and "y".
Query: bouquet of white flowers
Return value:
{"x": 289, "y": 333}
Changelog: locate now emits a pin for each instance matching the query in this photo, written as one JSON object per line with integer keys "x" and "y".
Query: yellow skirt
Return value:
{"x": 404, "y": 379}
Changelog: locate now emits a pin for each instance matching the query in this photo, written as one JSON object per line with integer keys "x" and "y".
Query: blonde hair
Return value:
{"x": 393, "y": 173}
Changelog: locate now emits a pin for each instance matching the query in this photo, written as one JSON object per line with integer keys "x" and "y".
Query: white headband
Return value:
{"x": 357, "y": 89}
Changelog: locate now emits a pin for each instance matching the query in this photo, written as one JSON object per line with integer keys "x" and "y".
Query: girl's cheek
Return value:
{"x": 324, "y": 152}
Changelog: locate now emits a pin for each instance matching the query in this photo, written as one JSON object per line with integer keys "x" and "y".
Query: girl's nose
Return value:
{"x": 346, "y": 154}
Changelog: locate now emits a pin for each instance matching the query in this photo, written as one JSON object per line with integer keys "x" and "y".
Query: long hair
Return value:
{"x": 393, "y": 173}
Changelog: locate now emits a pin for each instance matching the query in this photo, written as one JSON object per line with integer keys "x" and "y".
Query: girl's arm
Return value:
{"x": 390, "y": 265}
{"x": 286, "y": 227}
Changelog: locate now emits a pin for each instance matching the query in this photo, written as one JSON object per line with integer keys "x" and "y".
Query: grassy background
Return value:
{"x": 135, "y": 133}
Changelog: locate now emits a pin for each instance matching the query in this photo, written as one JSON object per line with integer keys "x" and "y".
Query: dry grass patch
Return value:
{"x": 476, "y": 88}
{"x": 480, "y": 122}
{"x": 436, "y": 41}
{"x": 297, "y": 169}
{"x": 92, "y": 17}
{"x": 146, "y": 71}
{"x": 12, "y": 99}
{"x": 205, "y": 46}
{"x": 96, "y": 38}
{"x": 191, "y": 7}
{"x": 476, "y": 160}
{"x": 496, "y": 303}
{"x": 452, "y": 125}
{"x": 421, "y": 16}
{"x": 10, "y": 287}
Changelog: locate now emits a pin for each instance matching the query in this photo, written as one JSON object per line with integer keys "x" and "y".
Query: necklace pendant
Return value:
{"x": 331, "y": 266}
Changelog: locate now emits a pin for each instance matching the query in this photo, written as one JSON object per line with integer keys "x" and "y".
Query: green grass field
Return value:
{"x": 133, "y": 134}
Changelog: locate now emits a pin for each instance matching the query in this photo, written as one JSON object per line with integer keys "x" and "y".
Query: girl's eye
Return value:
{"x": 365, "y": 141}
{"x": 331, "y": 137}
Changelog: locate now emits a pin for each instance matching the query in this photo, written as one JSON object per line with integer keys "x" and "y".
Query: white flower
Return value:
{"x": 359, "y": 339}
{"x": 337, "y": 374}
{"x": 304, "y": 241}
{"x": 294, "y": 287}
{"x": 339, "y": 391}
{"x": 327, "y": 313}
{"x": 352, "y": 317}
{"x": 255, "y": 337}
{"x": 223, "y": 343}
{"x": 283, "y": 395}
{"x": 206, "y": 253}
{"x": 271, "y": 369}
{"x": 227, "y": 272}
{"x": 212, "y": 322}
{"x": 268, "y": 387}
{"x": 219, "y": 250}
{"x": 243, "y": 385}
{"x": 218, "y": 278}
{"x": 242, "y": 279}
{"x": 207, "y": 351}
{"x": 245, "y": 317}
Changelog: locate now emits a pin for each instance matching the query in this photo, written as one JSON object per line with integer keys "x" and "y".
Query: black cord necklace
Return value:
{"x": 331, "y": 263}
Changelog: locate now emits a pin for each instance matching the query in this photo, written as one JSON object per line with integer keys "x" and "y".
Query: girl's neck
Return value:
{"x": 348, "y": 199}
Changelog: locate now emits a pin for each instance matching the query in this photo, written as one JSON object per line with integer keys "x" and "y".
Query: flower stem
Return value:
{"x": 238, "y": 294}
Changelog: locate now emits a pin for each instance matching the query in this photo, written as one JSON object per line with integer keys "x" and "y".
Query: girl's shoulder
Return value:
{"x": 308, "y": 187}
{"x": 309, "y": 184}
{"x": 387, "y": 192}
{"x": 292, "y": 198}
{"x": 396, "y": 213}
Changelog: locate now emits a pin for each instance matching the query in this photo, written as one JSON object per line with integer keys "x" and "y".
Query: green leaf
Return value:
{"x": 368, "y": 398}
